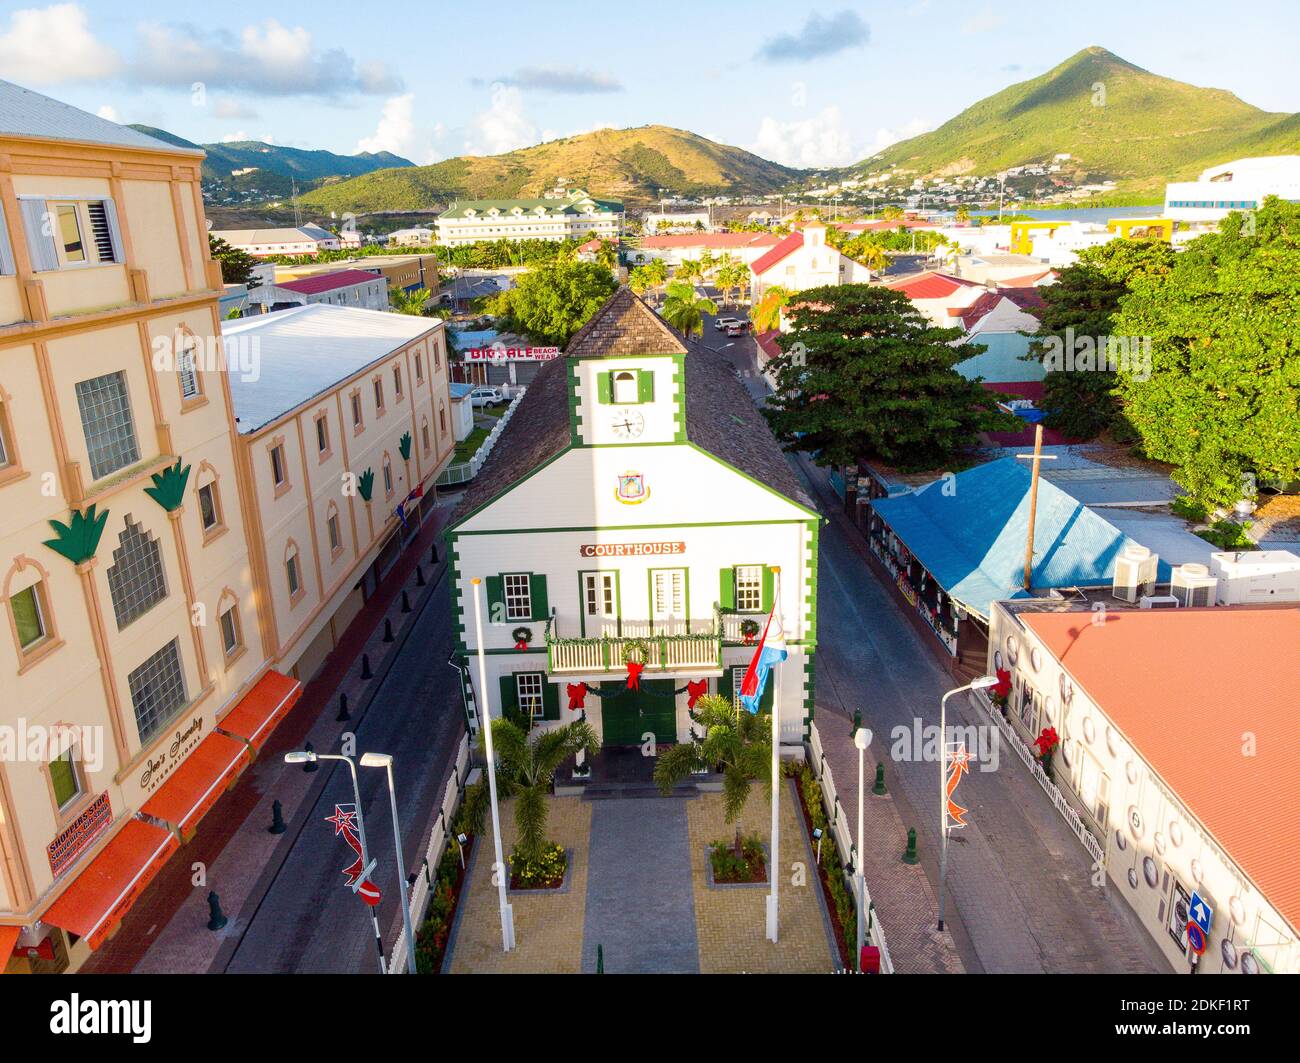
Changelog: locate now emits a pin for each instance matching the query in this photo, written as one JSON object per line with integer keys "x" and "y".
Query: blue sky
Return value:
{"x": 807, "y": 85}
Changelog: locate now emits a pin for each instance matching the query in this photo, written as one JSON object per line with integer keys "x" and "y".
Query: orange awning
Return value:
{"x": 258, "y": 712}
{"x": 194, "y": 787}
{"x": 97, "y": 899}
{"x": 8, "y": 939}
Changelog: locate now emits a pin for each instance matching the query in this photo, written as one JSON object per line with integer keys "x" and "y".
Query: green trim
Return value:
{"x": 575, "y": 414}
{"x": 678, "y": 381}
{"x": 582, "y": 597}
{"x": 632, "y": 527}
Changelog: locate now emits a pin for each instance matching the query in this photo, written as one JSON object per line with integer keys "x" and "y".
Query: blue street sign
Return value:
{"x": 1196, "y": 938}
{"x": 1201, "y": 913}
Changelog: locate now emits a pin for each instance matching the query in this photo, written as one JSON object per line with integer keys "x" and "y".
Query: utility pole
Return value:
{"x": 1037, "y": 457}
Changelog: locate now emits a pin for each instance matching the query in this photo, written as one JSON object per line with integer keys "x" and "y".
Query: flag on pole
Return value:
{"x": 769, "y": 651}
{"x": 416, "y": 492}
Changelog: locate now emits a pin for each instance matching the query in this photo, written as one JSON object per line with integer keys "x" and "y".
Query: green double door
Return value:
{"x": 627, "y": 715}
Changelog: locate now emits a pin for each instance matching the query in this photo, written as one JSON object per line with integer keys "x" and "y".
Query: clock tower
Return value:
{"x": 626, "y": 376}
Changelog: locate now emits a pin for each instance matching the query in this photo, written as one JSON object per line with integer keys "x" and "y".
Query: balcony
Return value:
{"x": 674, "y": 646}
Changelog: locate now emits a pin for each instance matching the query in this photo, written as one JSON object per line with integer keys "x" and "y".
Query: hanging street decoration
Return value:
{"x": 522, "y": 636}
{"x": 959, "y": 765}
{"x": 696, "y": 689}
{"x": 577, "y": 695}
{"x": 344, "y": 821}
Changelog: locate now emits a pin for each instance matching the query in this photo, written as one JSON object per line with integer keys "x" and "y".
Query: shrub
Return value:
{"x": 546, "y": 872}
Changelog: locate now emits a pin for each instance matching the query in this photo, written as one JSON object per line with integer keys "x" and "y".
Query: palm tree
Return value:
{"x": 656, "y": 272}
{"x": 872, "y": 255}
{"x": 963, "y": 213}
{"x": 690, "y": 271}
{"x": 730, "y": 275}
{"x": 736, "y": 742}
{"x": 413, "y": 302}
{"x": 953, "y": 252}
{"x": 526, "y": 768}
{"x": 892, "y": 213}
{"x": 685, "y": 311}
{"x": 766, "y": 313}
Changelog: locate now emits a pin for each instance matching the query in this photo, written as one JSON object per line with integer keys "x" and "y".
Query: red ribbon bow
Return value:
{"x": 634, "y": 670}
{"x": 695, "y": 690}
{"x": 577, "y": 695}
{"x": 521, "y": 645}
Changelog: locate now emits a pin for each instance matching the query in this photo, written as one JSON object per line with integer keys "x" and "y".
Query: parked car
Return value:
{"x": 737, "y": 328}
{"x": 721, "y": 323}
{"x": 487, "y": 396}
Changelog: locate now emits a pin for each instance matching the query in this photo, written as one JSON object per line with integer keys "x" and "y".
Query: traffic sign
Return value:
{"x": 1195, "y": 937}
{"x": 1201, "y": 913}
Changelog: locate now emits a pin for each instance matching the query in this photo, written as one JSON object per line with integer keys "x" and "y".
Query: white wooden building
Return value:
{"x": 637, "y": 505}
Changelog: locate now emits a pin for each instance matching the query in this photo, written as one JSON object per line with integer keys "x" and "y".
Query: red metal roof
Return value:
{"x": 980, "y": 308}
{"x": 711, "y": 240}
{"x": 328, "y": 282}
{"x": 787, "y": 246}
{"x": 885, "y": 226}
{"x": 1028, "y": 280}
{"x": 1183, "y": 686}
{"x": 931, "y": 285}
{"x": 1025, "y": 298}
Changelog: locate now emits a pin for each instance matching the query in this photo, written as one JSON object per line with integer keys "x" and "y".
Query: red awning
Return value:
{"x": 97, "y": 899}
{"x": 194, "y": 787}
{"x": 261, "y": 709}
{"x": 8, "y": 939}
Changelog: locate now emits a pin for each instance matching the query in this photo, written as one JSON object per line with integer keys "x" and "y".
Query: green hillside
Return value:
{"x": 1116, "y": 120}
{"x": 627, "y": 164}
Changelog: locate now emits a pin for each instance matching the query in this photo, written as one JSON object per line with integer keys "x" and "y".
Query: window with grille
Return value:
{"x": 208, "y": 515}
{"x": 528, "y": 685}
{"x": 749, "y": 588}
{"x": 186, "y": 370}
{"x": 600, "y": 594}
{"x": 158, "y": 690}
{"x": 100, "y": 230}
{"x": 136, "y": 580}
{"x": 229, "y": 631}
{"x": 519, "y": 604}
{"x": 107, "y": 423}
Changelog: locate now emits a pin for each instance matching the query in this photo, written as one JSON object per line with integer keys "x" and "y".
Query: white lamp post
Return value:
{"x": 385, "y": 760}
{"x": 503, "y": 871}
{"x": 861, "y": 739}
{"x": 982, "y": 683}
{"x": 774, "y": 874}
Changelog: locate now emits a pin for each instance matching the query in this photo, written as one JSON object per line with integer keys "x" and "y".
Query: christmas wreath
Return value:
{"x": 636, "y": 652}
{"x": 522, "y": 636}
{"x": 749, "y": 630}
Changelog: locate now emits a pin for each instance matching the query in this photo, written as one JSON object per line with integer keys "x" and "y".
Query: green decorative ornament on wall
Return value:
{"x": 366, "y": 484}
{"x": 79, "y": 538}
{"x": 636, "y": 651}
{"x": 404, "y": 446}
{"x": 168, "y": 488}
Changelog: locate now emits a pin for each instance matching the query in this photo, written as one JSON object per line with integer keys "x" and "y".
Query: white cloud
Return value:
{"x": 231, "y": 138}
{"x": 810, "y": 143}
{"x": 399, "y": 132}
{"x": 53, "y": 45}
{"x": 109, "y": 112}
{"x": 502, "y": 127}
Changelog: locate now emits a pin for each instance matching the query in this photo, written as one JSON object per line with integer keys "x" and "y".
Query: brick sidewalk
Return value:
{"x": 165, "y": 931}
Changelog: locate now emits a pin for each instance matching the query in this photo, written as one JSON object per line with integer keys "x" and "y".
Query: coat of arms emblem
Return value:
{"x": 631, "y": 488}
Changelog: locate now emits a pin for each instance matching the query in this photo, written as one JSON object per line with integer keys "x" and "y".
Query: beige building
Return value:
{"x": 343, "y": 416}
{"x": 134, "y": 638}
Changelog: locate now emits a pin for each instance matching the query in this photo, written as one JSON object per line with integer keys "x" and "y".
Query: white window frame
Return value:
{"x": 530, "y": 700}
{"x": 236, "y": 640}
{"x": 621, "y": 381}
{"x": 670, "y": 594}
{"x": 188, "y": 372}
{"x": 512, "y": 596}
{"x": 749, "y": 588}
{"x": 211, "y": 489}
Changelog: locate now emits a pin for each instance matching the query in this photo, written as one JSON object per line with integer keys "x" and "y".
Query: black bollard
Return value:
{"x": 366, "y": 673}
{"x": 419, "y": 575}
{"x": 216, "y": 917}
{"x": 433, "y": 553}
{"x": 343, "y": 715}
{"x": 311, "y": 765}
{"x": 277, "y": 819}
{"x": 388, "y": 630}
{"x": 406, "y": 603}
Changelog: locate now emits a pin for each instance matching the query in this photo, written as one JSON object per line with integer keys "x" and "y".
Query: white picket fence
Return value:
{"x": 1050, "y": 788}
{"x": 425, "y": 878}
{"x": 464, "y": 471}
{"x": 843, "y": 839}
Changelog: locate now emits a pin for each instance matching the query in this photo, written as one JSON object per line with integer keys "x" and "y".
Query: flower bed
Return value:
{"x": 431, "y": 938}
{"x": 546, "y": 873}
{"x": 731, "y": 869}
{"x": 839, "y": 901}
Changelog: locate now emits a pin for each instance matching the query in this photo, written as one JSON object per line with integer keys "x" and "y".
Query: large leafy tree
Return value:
{"x": 1222, "y": 400}
{"x": 552, "y": 301}
{"x": 1083, "y": 303}
{"x": 236, "y": 263}
{"x": 863, "y": 374}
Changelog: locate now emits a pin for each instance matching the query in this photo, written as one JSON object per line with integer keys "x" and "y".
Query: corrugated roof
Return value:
{"x": 729, "y": 241}
{"x": 245, "y": 237}
{"x": 328, "y": 282}
{"x": 1184, "y": 685}
{"x": 304, "y": 351}
{"x": 970, "y": 531}
{"x": 24, "y": 113}
{"x": 931, "y": 285}
{"x": 786, "y": 247}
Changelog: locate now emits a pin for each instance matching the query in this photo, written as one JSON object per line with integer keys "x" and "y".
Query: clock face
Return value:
{"x": 628, "y": 424}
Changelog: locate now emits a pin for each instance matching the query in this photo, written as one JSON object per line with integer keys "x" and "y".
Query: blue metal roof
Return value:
{"x": 969, "y": 532}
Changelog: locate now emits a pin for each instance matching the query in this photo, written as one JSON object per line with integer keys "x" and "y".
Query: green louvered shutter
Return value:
{"x": 550, "y": 700}
{"x": 538, "y": 603}
{"x": 645, "y": 385}
{"x": 769, "y": 692}
{"x": 727, "y": 588}
{"x": 605, "y": 387}
{"x": 769, "y": 588}
{"x": 496, "y": 599}
{"x": 509, "y": 695}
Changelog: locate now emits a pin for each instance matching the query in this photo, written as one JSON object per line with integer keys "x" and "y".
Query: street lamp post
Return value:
{"x": 309, "y": 757}
{"x": 385, "y": 760}
{"x": 981, "y": 683}
{"x": 861, "y": 739}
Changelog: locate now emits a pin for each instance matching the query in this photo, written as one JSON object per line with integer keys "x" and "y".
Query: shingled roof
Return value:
{"x": 720, "y": 416}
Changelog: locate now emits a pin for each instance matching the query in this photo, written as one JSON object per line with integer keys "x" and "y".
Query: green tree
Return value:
{"x": 413, "y": 302}
{"x": 1222, "y": 400}
{"x": 656, "y": 273}
{"x": 527, "y": 764}
{"x": 963, "y": 214}
{"x": 736, "y": 742}
{"x": 891, "y": 212}
{"x": 684, "y": 310}
{"x": 690, "y": 271}
{"x": 729, "y": 277}
{"x": 1083, "y": 303}
{"x": 863, "y": 374}
{"x": 765, "y": 314}
{"x": 236, "y": 263}
{"x": 552, "y": 301}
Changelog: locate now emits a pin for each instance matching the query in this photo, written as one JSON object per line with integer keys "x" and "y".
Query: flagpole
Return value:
{"x": 774, "y": 865}
{"x": 501, "y": 870}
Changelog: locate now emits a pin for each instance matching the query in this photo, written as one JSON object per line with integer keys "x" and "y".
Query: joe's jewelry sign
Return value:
{"x": 80, "y": 834}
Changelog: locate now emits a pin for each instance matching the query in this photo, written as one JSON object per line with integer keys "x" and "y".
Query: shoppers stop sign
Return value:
{"x": 511, "y": 354}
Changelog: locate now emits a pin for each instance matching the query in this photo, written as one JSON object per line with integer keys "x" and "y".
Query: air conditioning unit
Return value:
{"x": 1135, "y": 573}
{"x": 1158, "y": 601}
{"x": 1193, "y": 585}
{"x": 1257, "y": 577}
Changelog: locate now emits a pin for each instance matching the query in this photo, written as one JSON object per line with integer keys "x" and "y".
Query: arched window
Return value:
{"x": 229, "y": 625}
{"x": 293, "y": 571}
{"x": 136, "y": 579}
{"x": 625, "y": 386}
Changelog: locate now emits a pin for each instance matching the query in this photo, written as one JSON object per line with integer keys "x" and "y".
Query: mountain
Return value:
{"x": 1116, "y": 121}
{"x": 629, "y": 164}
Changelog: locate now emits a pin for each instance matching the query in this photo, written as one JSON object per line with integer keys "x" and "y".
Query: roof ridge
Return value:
{"x": 585, "y": 344}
